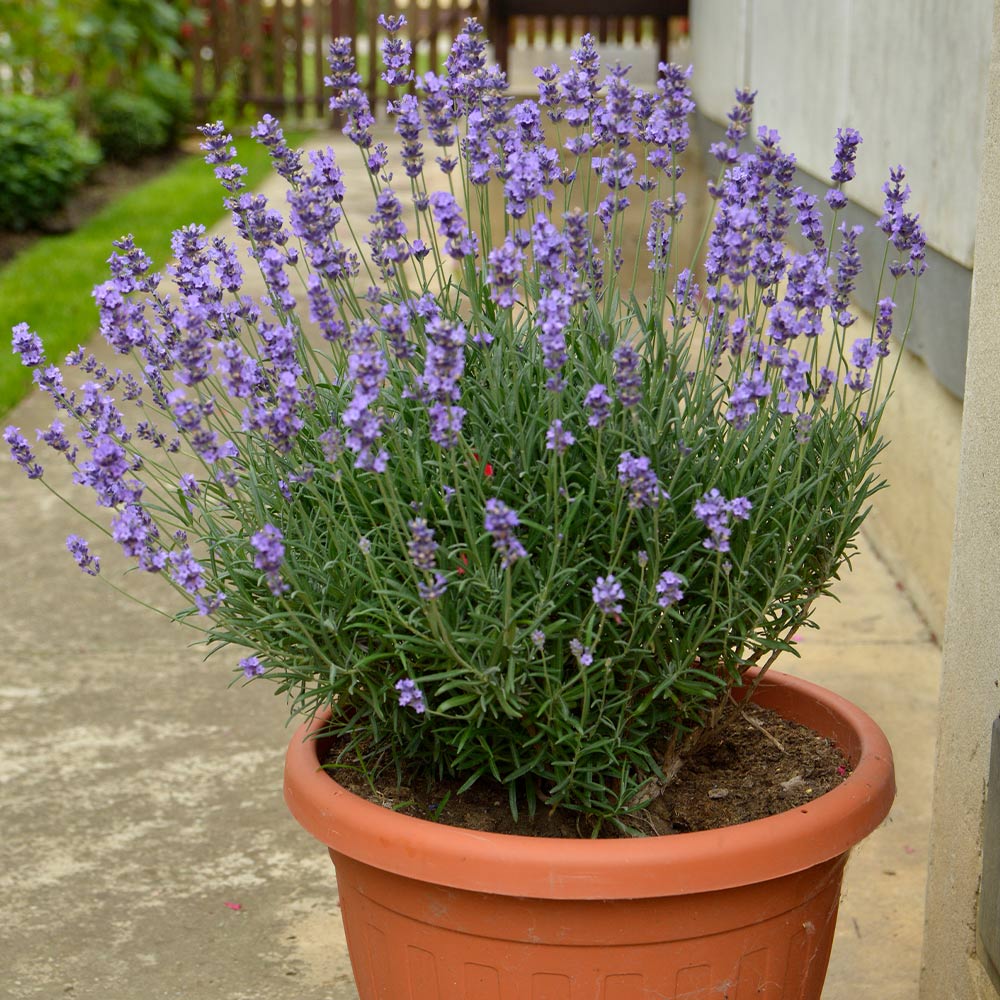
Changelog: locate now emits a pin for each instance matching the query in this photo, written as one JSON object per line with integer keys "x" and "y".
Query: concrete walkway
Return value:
{"x": 146, "y": 851}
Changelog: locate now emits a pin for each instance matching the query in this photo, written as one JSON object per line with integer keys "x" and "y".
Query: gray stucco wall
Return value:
{"x": 911, "y": 77}
{"x": 970, "y": 676}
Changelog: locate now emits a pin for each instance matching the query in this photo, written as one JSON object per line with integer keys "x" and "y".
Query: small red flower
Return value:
{"x": 465, "y": 562}
{"x": 487, "y": 469}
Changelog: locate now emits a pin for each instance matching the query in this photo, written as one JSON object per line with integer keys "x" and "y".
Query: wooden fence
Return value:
{"x": 255, "y": 56}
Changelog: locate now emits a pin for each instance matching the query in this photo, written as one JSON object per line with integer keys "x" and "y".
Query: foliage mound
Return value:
{"x": 509, "y": 514}
{"x": 130, "y": 126}
{"x": 42, "y": 158}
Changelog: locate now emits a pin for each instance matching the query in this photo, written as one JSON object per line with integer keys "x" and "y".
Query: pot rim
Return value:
{"x": 558, "y": 868}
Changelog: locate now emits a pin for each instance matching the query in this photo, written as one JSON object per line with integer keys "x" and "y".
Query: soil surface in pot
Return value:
{"x": 758, "y": 765}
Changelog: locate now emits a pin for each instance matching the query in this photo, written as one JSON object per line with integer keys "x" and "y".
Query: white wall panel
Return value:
{"x": 917, "y": 94}
{"x": 911, "y": 77}
{"x": 798, "y": 66}
{"x": 719, "y": 53}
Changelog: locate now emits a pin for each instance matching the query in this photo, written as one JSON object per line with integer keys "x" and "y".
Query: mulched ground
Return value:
{"x": 757, "y": 766}
{"x": 107, "y": 182}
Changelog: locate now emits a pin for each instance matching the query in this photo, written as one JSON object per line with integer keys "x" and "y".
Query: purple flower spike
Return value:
{"x": 714, "y": 511}
{"x": 479, "y": 148}
{"x": 500, "y": 522}
{"x": 660, "y": 235}
{"x": 340, "y": 59}
{"x": 836, "y": 199}
{"x": 553, "y": 313}
{"x": 466, "y": 64}
{"x": 848, "y": 140}
{"x": 750, "y": 389}
{"x": 528, "y": 177}
{"x": 396, "y": 52}
{"x": 410, "y": 695}
{"x": 669, "y": 589}
{"x": 584, "y": 654}
{"x": 883, "y": 325}
{"x": 85, "y": 559}
{"x": 598, "y": 402}
{"x": 549, "y": 248}
{"x": 903, "y": 229}
{"x": 222, "y": 155}
{"x": 367, "y": 365}
{"x": 548, "y": 91}
{"x": 360, "y": 120}
{"x": 445, "y": 423}
{"x": 848, "y": 269}
{"x": 28, "y": 345}
{"x": 627, "y": 376}
{"x": 439, "y": 110}
{"x": 459, "y": 240}
{"x": 56, "y": 439}
{"x": 505, "y": 266}
{"x": 186, "y": 571}
{"x": 388, "y": 237}
{"x": 809, "y": 217}
{"x": 863, "y": 353}
{"x": 640, "y": 481}
{"x": 422, "y": 546}
{"x": 579, "y": 85}
{"x": 252, "y": 667}
{"x": 608, "y": 594}
{"x": 287, "y": 162}
{"x": 740, "y": 508}
{"x": 133, "y": 529}
{"x": 269, "y": 549}
{"x": 432, "y": 591}
{"x": 558, "y": 439}
{"x": 21, "y": 452}
{"x": 739, "y": 118}
{"x": 444, "y": 364}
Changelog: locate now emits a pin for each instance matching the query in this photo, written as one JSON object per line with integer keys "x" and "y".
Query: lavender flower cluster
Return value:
{"x": 428, "y": 422}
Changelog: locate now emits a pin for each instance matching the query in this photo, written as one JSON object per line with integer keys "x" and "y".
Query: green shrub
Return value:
{"x": 130, "y": 126}
{"x": 173, "y": 94}
{"x": 42, "y": 158}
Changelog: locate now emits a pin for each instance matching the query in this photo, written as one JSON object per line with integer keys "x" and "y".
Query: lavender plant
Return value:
{"x": 504, "y": 517}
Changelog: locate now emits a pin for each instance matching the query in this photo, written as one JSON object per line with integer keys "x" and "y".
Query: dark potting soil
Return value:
{"x": 757, "y": 765}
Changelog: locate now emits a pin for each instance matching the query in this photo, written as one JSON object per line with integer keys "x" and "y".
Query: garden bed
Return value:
{"x": 107, "y": 182}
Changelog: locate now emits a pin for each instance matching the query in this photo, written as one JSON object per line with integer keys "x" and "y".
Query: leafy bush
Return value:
{"x": 172, "y": 93}
{"x": 42, "y": 158}
{"x": 54, "y": 47}
{"x": 130, "y": 126}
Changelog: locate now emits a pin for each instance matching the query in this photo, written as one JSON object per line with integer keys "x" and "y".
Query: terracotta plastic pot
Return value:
{"x": 434, "y": 912}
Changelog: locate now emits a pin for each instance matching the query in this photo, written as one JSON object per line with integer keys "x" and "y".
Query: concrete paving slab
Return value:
{"x": 139, "y": 796}
{"x": 879, "y": 933}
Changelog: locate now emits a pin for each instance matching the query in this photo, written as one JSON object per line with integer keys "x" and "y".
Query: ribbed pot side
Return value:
{"x": 433, "y": 912}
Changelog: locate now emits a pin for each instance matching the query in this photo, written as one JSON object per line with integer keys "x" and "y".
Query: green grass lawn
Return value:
{"x": 48, "y": 286}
